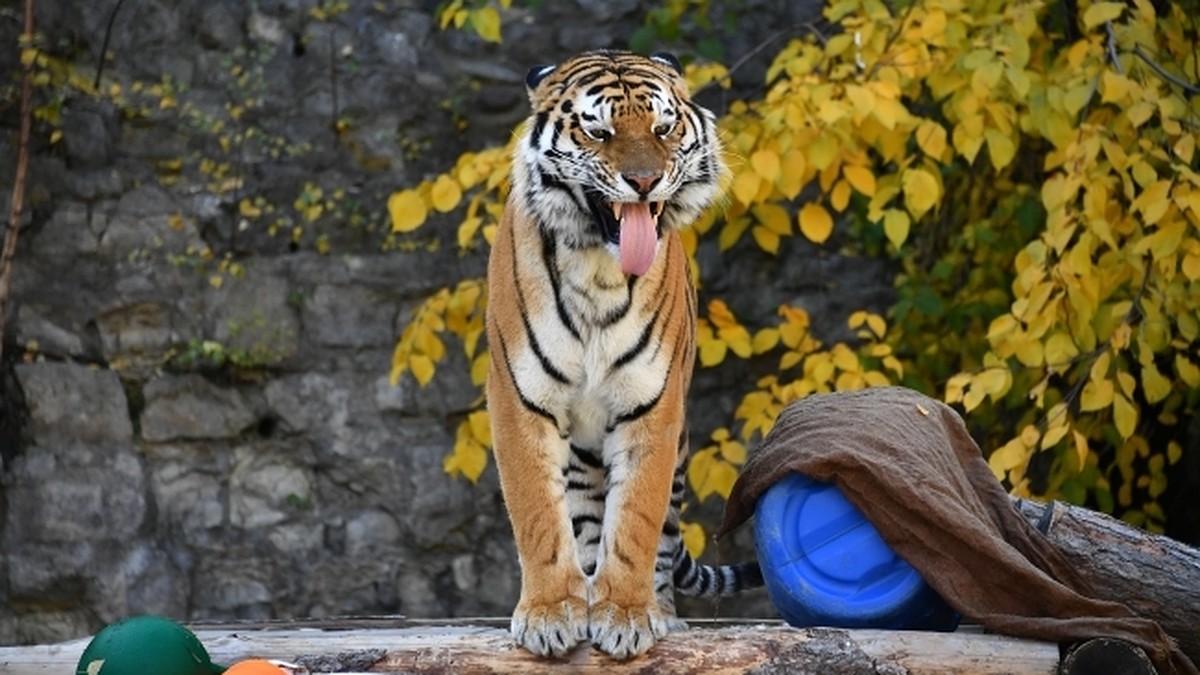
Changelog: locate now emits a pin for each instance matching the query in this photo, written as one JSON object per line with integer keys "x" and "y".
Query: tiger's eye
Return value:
{"x": 602, "y": 135}
{"x": 663, "y": 129}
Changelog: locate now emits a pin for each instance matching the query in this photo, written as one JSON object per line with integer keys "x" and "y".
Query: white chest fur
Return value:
{"x": 598, "y": 357}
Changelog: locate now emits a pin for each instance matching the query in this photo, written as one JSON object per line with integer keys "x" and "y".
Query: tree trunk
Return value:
{"x": 1155, "y": 576}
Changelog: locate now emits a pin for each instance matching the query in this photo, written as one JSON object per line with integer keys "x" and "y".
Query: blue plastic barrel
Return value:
{"x": 825, "y": 564}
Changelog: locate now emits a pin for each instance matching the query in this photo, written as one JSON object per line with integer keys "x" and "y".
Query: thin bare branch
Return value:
{"x": 17, "y": 204}
{"x": 1112, "y": 47}
{"x": 112, "y": 18}
{"x": 1163, "y": 73}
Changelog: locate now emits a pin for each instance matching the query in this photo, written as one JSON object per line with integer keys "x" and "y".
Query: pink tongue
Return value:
{"x": 639, "y": 238}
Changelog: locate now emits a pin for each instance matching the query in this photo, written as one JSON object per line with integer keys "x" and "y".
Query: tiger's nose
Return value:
{"x": 642, "y": 181}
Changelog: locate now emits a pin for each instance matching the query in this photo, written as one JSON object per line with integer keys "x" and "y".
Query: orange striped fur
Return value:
{"x": 591, "y": 363}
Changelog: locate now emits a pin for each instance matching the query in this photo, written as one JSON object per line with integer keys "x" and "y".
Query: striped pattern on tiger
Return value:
{"x": 591, "y": 325}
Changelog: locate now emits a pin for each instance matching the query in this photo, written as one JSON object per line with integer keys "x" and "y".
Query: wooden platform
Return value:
{"x": 397, "y": 645}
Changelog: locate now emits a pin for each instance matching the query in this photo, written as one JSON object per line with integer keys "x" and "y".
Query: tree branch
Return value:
{"x": 1163, "y": 73}
{"x": 17, "y": 204}
{"x": 112, "y": 17}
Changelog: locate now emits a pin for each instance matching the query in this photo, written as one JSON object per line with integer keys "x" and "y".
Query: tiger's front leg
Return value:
{"x": 626, "y": 616}
{"x": 551, "y": 616}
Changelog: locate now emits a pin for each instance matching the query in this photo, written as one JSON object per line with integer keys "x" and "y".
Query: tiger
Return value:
{"x": 591, "y": 325}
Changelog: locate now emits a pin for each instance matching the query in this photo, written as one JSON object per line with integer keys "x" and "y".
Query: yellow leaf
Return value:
{"x": 1096, "y": 395}
{"x": 862, "y": 98}
{"x": 732, "y": 232}
{"x": 1165, "y": 241}
{"x": 823, "y": 151}
{"x": 1154, "y": 384}
{"x": 1011, "y": 455}
{"x": 931, "y": 138}
{"x": 1125, "y": 416}
{"x": 1030, "y": 436}
{"x": 479, "y": 369}
{"x": 994, "y": 381}
{"x": 467, "y": 231}
{"x": 1029, "y": 351}
{"x": 1127, "y": 383}
{"x": 955, "y": 386}
{"x": 815, "y": 223}
{"x": 1054, "y": 434}
{"x": 839, "y": 197}
{"x": 774, "y": 217}
{"x": 1188, "y": 371}
{"x": 1185, "y": 148}
{"x": 486, "y": 22}
{"x": 445, "y": 194}
{"x": 791, "y": 180}
{"x": 407, "y": 210}
{"x": 422, "y": 368}
{"x": 766, "y": 165}
{"x": 699, "y": 470}
{"x": 720, "y": 314}
{"x": 860, "y": 178}
{"x": 693, "y": 538}
{"x": 468, "y": 459}
{"x": 712, "y": 350}
{"x": 921, "y": 191}
{"x": 1060, "y": 349}
{"x": 1077, "y": 97}
{"x": 1113, "y": 86}
{"x": 845, "y": 359}
{"x": 1081, "y": 448}
{"x": 877, "y": 325}
{"x": 745, "y": 187}
{"x": 481, "y": 427}
{"x": 896, "y": 225}
{"x": 1001, "y": 148}
{"x": 1191, "y": 264}
{"x": 738, "y": 339}
{"x": 733, "y": 452}
{"x": 248, "y": 208}
{"x": 1174, "y": 452}
{"x": 1139, "y": 112}
{"x": 765, "y": 340}
{"x": 766, "y": 239}
{"x": 1100, "y": 12}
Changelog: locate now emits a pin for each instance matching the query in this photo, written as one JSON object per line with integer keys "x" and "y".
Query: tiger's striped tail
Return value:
{"x": 713, "y": 581}
{"x": 689, "y": 577}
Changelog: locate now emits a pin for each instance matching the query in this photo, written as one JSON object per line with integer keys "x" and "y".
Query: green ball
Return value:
{"x": 146, "y": 645}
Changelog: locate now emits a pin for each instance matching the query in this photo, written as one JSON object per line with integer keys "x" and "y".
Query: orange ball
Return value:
{"x": 255, "y": 667}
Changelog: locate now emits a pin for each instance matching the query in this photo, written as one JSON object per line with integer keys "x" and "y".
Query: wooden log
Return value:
{"x": 1104, "y": 656}
{"x": 708, "y": 647}
{"x": 1155, "y": 576}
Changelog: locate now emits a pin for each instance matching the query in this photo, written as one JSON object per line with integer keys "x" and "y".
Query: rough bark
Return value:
{"x": 1155, "y": 576}
{"x": 708, "y": 647}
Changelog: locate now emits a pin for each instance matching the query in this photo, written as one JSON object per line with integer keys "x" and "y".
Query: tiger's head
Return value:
{"x": 614, "y": 152}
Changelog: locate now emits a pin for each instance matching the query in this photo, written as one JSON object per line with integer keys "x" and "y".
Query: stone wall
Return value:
{"x": 138, "y": 475}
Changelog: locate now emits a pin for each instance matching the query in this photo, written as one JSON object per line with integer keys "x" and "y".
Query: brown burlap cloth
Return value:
{"x": 908, "y": 464}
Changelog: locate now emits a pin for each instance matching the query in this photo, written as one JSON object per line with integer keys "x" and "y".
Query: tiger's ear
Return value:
{"x": 535, "y": 76}
{"x": 668, "y": 59}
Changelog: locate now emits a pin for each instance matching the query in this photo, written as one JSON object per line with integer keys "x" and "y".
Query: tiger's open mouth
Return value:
{"x": 632, "y": 227}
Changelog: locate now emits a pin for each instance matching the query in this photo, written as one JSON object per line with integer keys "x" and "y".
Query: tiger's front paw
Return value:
{"x": 551, "y": 629}
{"x": 625, "y": 632}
